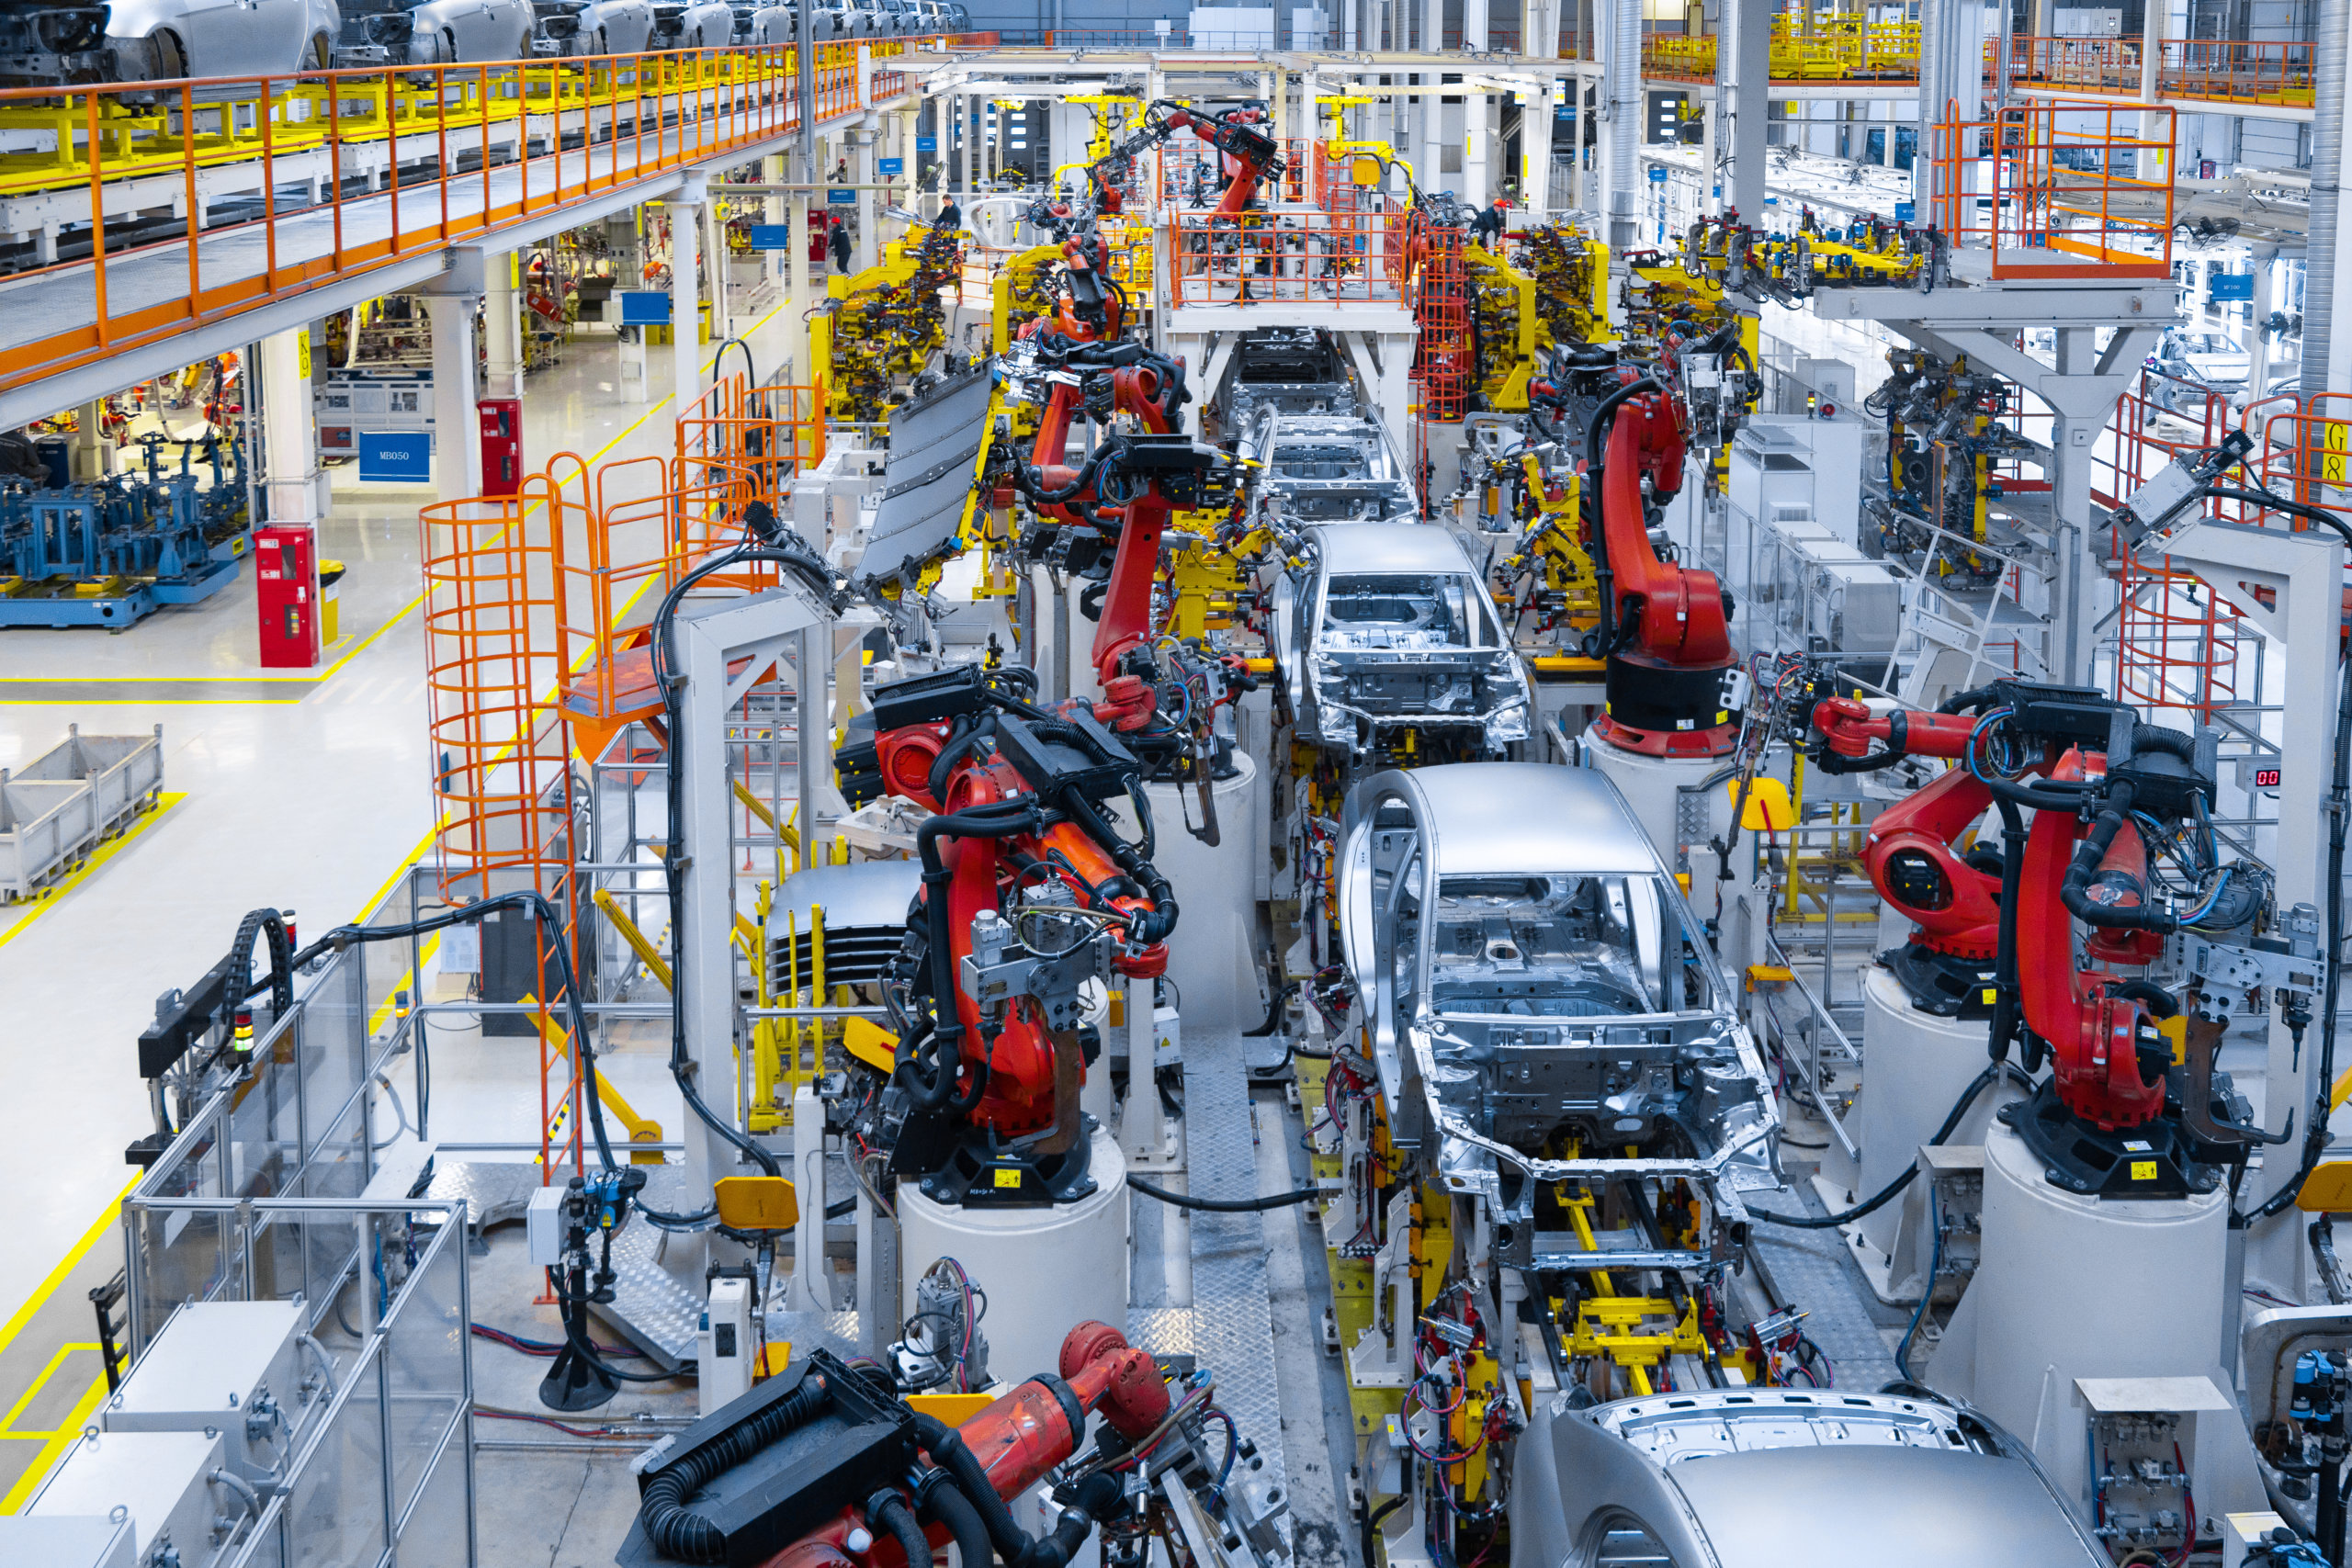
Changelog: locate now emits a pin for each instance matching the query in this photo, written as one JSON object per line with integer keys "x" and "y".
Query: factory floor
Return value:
{"x": 309, "y": 794}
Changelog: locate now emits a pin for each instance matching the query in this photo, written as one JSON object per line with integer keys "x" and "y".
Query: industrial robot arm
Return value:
{"x": 1249, "y": 154}
{"x": 1674, "y": 686}
{"x": 2110, "y": 797}
{"x": 1028, "y": 893}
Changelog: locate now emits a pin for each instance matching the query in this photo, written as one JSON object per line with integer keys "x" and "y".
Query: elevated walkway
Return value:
{"x": 155, "y": 223}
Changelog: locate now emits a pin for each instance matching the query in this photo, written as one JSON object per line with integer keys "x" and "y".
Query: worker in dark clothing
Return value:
{"x": 950, "y": 216}
{"x": 841, "y": 247}
{"x": 1488, "y": 225}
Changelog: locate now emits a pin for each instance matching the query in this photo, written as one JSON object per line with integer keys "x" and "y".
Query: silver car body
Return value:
{"x": 1388, "y": 626}
{"x": 594, "y": 27}
{"x": 394, "y": 33}
{"x": 1529, "y": 968}
{"x": 1324, "y": 467}
{"x": 777, "y": 27}
{"x": 166, "y": 40}
{"x": 1766, "y": 1478}
{"x": 704, "y": 24}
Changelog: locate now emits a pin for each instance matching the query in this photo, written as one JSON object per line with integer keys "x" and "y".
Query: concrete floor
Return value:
{"x": 308, "y": 795}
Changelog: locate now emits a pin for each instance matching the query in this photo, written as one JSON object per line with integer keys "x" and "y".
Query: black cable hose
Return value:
{"x": 795, "y": 557}
{"x": 676, "y": 1530}
{"x": 1886, "y": 1194}
{"x": 946, "y": 1504}
{"x": 888, "y": 1512}
{"x": 1225, "y": 1205}
{"x": 1014, "y": 1546}
{"x": 581, "y": 1346}
{"x": 1372, "y": 1527}
{"x": 1000, "y": 820}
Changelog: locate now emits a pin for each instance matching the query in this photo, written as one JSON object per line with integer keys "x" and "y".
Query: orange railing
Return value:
{"x": 2238, "y": 71}
{"x": 2177, "y": 646}
{"x": 2241, "y": 71}
{"x": 1187, "y": 172}
{"x": 2057, "y": 189}
{"x": 1296, "y": 255}
{"x": 116, "y": 151}
{"x": 503, "y": 754}
{"x": 2077, "y": 64}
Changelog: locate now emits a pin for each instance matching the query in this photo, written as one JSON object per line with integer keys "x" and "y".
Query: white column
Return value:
{"x": 685, "y": 210}
{"x": 289, "y": 429}
{"x": 456, "y": 432}
{"x": 1476, "y": 143}
{"x": 1432, "y": 25}
{"x": 1430, "y": 165}
{"x": 862, "y": 173}
{"x": 796, "y": 332}
{"x": 1535, "y": 148}
{"x": 1473, "y": 24}
{"x": 777, "y": 209}
{"x": 2258, "y": 344}
{"x": 714, "y": 250}
{"x": 503, "y": 328}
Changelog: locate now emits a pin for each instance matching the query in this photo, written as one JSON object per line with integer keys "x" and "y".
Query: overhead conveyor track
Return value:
{"x": 137, "y": 213}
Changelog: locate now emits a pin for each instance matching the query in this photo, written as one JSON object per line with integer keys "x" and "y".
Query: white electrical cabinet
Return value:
{"x": 30, "y": 1541}
{"x": 161, "y": 1482}
{"x": 1790, "y": 461}
{"x": 235, "y": 1367}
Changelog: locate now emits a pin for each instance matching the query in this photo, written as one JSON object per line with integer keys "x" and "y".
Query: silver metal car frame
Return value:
{"x": 1714, "y": 1475}
{"x": 1328, "y": 715}
{"x": 1475, "y": 818}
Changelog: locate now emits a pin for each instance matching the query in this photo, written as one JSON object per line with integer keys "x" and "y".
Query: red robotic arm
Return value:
{"x": 1663, "y": 625}
{"x": 1248, "y": 154}
{"x": 1954, "y": 907}
{"x": 1008, "y": 1447}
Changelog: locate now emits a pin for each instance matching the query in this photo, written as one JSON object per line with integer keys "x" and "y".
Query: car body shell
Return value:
{"x": 1353, "y": 682}
{"x": 704, "y": 24}
{"x": 167, "y": 39}
{"x": 1763, "y": 1478}
{"x": 1481, "y": 1080}
{"x": 437, "y": 32}
{"x": 594, "y": 27}
{"x": 44, "y": 45}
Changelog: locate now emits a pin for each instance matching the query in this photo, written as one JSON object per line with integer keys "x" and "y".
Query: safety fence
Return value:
{"x": 1833, "y": 50}
{"x": 259, "y": 1199}
{"x": 145, "y": 199}
{"x": 2241, "y": 71}
{"x": 1188, "y": 172}
{"x": 2057, "y": 189}
{"x": 1294, "y": 256}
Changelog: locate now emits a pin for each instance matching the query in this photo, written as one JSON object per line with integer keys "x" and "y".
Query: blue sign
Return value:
{"x": 926, "y": 144}
{"x": 396, "y": 457}
{"x": 891, "y": 165}
{"x": 769, "y": 237}
{"x": 2230, "y": 286}
{"x": 644, "y": 308}
{"x": 1906, "y": 212}
{"x": 1657, "y": 176}
{"x": 841, "y": 198}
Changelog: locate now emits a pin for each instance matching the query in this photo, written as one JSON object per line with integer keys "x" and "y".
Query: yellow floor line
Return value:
{"x": 51, "y": 897}
{"x": 26, "y": 1484}
{"x": 38, "y": 1471}
{"x": 9, "y": 1423}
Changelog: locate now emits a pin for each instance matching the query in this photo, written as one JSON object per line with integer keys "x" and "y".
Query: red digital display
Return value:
{"x": 2265, "y": 778}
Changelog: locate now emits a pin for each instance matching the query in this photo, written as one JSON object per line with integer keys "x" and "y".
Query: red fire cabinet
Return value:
{"x": 286, "y": 577}
{"x": 502, "y": 446}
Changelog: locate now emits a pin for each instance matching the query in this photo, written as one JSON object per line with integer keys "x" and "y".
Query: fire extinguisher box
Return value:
{"x": 502, "y": 446}
{"x": 286, "y": 578}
